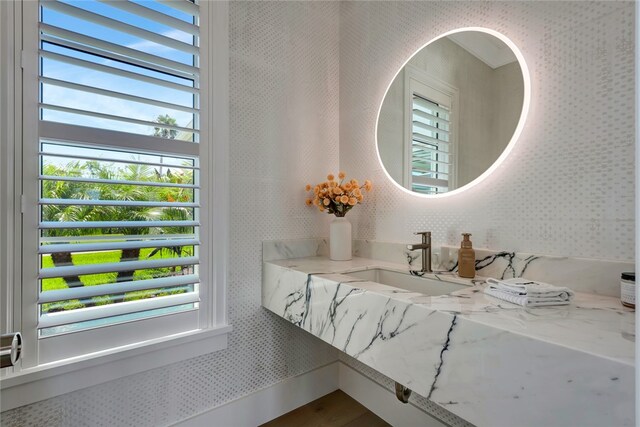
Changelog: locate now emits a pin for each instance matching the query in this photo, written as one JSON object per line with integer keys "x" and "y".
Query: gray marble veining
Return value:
{"x": 583, "y": 275}
{"x": 490, "y": 362}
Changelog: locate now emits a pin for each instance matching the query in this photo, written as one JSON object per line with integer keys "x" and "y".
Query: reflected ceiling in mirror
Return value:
{"x": 453, "y": 112}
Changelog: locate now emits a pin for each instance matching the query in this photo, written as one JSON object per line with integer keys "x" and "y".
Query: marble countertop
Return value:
{"x": 595, "y": 324}
{"x": 483, "y": 359}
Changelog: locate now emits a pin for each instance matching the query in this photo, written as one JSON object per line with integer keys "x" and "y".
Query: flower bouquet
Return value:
{"x": 338, "y": 198}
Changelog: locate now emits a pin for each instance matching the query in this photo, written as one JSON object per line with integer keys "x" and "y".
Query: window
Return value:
{"x": 430, "y": 144}
{"x": 122, "y": 146}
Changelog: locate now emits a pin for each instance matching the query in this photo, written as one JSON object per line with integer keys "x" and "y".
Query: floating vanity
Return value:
{"x": 488, "y": 361}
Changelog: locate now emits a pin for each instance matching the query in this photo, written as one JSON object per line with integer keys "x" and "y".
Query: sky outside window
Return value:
{"x": 80, "y": 100}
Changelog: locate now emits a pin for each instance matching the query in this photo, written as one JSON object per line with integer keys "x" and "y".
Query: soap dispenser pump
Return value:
{"x": 466, "y": 258}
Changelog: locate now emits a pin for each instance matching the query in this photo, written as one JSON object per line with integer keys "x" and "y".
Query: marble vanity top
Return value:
{"x": 491, "y": 362}
{"x": 595, "y": 324}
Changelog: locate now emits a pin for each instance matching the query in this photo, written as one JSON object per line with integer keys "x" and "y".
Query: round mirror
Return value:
{"x": 453, "y": 112}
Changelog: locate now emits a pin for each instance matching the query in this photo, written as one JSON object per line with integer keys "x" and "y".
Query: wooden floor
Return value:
{"x": 335, "y": 409}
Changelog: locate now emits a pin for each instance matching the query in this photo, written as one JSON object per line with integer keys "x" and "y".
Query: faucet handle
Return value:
{"x": 423, "y": 233}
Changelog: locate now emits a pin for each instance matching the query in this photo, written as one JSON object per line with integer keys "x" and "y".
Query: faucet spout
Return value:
{"x": 425, "y": 247}
{"x": 417, "y": 247}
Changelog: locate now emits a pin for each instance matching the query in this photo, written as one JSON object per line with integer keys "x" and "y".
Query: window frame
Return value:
{"x": 24, "y": 384}
{"x": 416, "y": 81}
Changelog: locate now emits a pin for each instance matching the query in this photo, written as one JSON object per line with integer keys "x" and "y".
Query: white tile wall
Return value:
{"x": 284, "y": 132}
{"x": 568, "y": 186}
{"x": 566, "y": 189}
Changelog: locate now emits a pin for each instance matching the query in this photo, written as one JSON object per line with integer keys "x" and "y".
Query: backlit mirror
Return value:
{"x": 453, "y": 112}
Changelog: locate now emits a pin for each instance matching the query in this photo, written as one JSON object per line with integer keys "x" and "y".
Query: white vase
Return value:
{"x": 340, "y": 239}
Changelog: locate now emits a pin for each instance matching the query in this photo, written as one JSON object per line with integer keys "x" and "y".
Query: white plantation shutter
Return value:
{"x": 118, "y": 55}
{"x": 431, "y": 163}
{"x": 84, "y": 235}
{"x": 119, "y": 193}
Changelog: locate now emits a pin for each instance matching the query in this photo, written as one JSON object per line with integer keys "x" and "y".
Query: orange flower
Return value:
{"x": 342, "y": 192}
{"x": 170, "y": 198}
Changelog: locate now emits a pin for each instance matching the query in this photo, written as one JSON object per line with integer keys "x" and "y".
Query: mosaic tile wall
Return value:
{"x": 283, "y": 56}
{"x": 567, "y": 187}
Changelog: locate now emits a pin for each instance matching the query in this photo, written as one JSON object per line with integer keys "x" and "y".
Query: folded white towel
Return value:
{"x": 528, "y": 293}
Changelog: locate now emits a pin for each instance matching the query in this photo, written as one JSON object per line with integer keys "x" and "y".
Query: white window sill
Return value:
{"x": 53, "y": 379}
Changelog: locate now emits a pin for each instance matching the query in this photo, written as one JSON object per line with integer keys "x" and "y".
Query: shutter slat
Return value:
{"x": 52, "y": 225}
{"x": 186, "y": 6}
{"x": 97, "y": 53}
{"x": 113, "y": 94}
{"x": 129, "y": 203}
{"x": 438, "y": 162}
{"x": 116, "y": 181}
{"x": 111, "y": 237}
{"x": 424, "y": 172}
{"x": 78, "y": 138}
{"x": 82, "y": 292}
{"x": 114, "y": 24}
{"x": 82, "y": 270}
{"x": 433, "y": 182}
{"x": 152, "y": 15}
{"x": 107, "y": 48}
{"x": 98, "y": 312}
{"x": 421, "y": 116}
{"x": 424, "y": 104}
{"x": 426, "y": 140}
{"x": 422, "y": 127}
{"x": 86, "y": 247}
{"x": 116, "y": 71}
{"x": 115, "y": 118}
{"x": 426, "y": 148}
{"x": 114, "y": 160}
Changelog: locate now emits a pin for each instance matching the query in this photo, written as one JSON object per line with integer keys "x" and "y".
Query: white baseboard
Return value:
{"x": 381, "y": 401}
{"x": 269, "y": 403}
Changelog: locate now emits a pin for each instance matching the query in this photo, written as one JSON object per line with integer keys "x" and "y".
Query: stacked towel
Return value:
{"x": 528, "y": 293}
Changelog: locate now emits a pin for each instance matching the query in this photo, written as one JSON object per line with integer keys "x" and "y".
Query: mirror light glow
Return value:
{"x": 516, "y": 134}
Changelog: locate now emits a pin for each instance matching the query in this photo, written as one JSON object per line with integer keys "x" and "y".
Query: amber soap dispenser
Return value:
{"x": 466, "y": 258}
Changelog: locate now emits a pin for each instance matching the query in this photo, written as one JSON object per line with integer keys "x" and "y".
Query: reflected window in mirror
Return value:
{"x": 430, "y": 144}
{"x": 452, "y": 112}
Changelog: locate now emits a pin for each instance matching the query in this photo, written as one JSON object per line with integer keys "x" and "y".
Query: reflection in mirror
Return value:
{"x": 450, "y": 112}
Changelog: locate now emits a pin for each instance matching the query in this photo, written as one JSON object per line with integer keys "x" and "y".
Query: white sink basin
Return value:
{"x": 407, "y": 282}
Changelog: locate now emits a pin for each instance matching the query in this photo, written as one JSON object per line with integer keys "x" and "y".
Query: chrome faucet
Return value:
{"x": 425, "y": 246}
